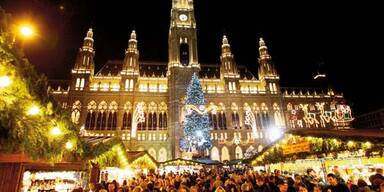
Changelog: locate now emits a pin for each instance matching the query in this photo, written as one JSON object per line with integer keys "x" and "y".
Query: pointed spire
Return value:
{"x": 133, "y": 34}
{"x": 88, "y": 40}
{"x": 182, "y": 3}
{"x": 132, "y": 44}
{"x": 225, "y": 47}
{"x": 225, "y": 40}
{"x": 263, "y": 49}
{"x": 90, "y": 33}
{"x": 261, "y": 42}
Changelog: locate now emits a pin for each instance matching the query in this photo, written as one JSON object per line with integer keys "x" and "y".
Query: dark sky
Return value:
{"x": 346, "y": 39}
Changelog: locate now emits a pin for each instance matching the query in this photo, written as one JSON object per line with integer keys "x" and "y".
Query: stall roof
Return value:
{"x": 180, "y": 161}
{"x": 376, "y": 135}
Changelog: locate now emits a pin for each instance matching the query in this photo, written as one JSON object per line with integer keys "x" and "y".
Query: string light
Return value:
{"x": 5, "y": 81}
{"x": 34, "y": 110}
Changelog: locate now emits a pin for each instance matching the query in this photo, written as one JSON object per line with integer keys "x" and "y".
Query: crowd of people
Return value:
{"x": 245, "y": 180}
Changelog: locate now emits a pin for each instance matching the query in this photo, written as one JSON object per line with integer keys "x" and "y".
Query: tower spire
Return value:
{"x": 266, "y": 68}
{"x": 84, "y": 66}
{"x": 88, "y": 40}
{"x": 184, "y": 4}
{"x": 228, "y": 67}
{"x": 131, "y": 58}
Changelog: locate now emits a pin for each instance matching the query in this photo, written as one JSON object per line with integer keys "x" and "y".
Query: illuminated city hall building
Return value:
{"x": 246, "y": 110}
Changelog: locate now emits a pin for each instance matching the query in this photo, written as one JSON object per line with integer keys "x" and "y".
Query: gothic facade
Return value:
{"x": 142, "y": 102}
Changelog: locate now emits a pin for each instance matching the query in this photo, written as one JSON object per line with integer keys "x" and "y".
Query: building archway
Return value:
{"x": 224, "y": 154}
{"x": 152, "y": 152}
{"x": 162, "y": 155}
{"x": 215, "y": 154}
{"x": 238, "y": 152}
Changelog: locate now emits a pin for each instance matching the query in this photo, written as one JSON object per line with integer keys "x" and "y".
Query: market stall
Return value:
{"x": 352, "y": 154}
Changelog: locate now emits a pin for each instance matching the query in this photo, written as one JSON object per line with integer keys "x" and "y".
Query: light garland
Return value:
{"x": 138, "y": 117}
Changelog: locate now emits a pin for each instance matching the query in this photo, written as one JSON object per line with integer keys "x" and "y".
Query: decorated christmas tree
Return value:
{"x": 196, "y": 122}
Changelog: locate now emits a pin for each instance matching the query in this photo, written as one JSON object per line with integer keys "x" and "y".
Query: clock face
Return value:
{"x": 183, "y": 17}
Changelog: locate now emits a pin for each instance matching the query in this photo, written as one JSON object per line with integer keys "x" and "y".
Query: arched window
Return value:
{"x": 75, "y": 115}
{"x": 152, "y": 152}
{"x": 162, "y": 155}
{"x": 214, "y": 118}
{"x": 109, "y": 122}
{"x": 235, "y": 120}
{"x": 101, "y": 116}
{"x": 165, "y": 121}
{"x": 215, "y": 154}
{"x": 221, "y": 125}
{"x": 150, "y": 121}
{"x": 91, "y": 116}
{"x": 154, "y": 121}
{"x": 224, "y": 154}
{"x": 160, "y": 121}
{"x": 210, "y": 120}
{"x": 184, "y": 54}
{"x": 239, "y": 152}
{"x": 224, "y": 121}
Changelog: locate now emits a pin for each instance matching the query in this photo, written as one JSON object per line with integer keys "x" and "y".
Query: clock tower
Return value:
{"x": 182, "y": 63}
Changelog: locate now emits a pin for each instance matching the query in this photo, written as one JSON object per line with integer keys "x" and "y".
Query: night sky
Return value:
{"x": 345, "y": 40}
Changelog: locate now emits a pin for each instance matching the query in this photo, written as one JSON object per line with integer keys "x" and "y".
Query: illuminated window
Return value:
{"x": 235, "y": 120}
{"x": 77, "y": 83}
{"x": 131, "y": 84}
{"x": 126, "y": 84}
{"x": 75, "y": 116}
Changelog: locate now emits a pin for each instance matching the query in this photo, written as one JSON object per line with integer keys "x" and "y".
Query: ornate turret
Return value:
{"x": 131, "y": 59}
{"x": 266, "y": 68}
{"x": 130, "y": 71}
{"x": 84, "y": 66}
{"x": 86, "y": 54}
{"x": 267, "y": 71}
{"x": 228, "y": 68}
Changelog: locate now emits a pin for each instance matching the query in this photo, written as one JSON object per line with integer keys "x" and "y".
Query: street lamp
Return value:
{"x": 26, "y": 31}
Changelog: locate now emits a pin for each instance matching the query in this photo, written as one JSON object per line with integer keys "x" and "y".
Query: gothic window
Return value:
{"x": 125, "y": 121}
{"x": 91, "y": 116}
{"x": 160, "y": 121}
{"x": 214, "y": 118}
{"x": 154, "y": 120}
{"x": 210, "y": 120}
{"x": 258, "y": 120}
{"x": 221, "y": 121}
{"x": 75, "y": 116}
{"x": 184, "y": 54}
{"x": 165, "y": 121}
{"x": 224, "y": 121}
{"x": 109, "y": 123}
{"x": 101, "y": 116}
{"x": 82, "y": 82}
{"x": 235, "y": 120}
{"x": 129, "y": 124}
{"x": 150, "y": 120}
{"x": 103, "y": 120}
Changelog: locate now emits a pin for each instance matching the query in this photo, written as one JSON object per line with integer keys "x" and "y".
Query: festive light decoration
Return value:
{"x": 55, "y": 131}
{"x": 196, "y": 124}
{"x": 34, "y": 110}
{"x": 318, "y": 148}
{"x": 250, "y": 120}
{"x": 319, "y": 114}
{"x": 69, "y": 145}
{"x": 138, "y": 117}
{"x": 5, "y": 81}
